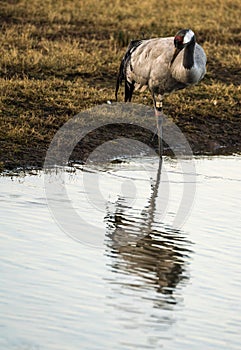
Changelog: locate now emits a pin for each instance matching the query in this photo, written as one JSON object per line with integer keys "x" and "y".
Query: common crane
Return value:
{"x": 162, "y": 65}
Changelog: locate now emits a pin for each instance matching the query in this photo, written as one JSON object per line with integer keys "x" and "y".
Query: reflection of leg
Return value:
{"x": 159, "y": 120}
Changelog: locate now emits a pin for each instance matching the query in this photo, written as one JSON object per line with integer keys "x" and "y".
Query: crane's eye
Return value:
{"x": 178, "y": 41}
{"x": 179, "y": 38}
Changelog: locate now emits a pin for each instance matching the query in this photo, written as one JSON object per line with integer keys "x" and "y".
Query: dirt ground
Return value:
{"x": 61, "y": 58}
{"x": 206, "y": 136}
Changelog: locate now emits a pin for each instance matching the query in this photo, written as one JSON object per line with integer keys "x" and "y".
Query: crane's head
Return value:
{"x": 183, "y": 38}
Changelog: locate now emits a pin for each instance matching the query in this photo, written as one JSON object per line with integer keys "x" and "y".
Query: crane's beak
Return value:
{"x": 176, "y": 52}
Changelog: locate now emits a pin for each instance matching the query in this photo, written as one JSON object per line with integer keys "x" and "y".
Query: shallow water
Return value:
{"x": 103, "y": 262}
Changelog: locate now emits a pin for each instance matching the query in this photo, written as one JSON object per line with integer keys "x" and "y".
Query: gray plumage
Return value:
{"x": 162, "y": 65}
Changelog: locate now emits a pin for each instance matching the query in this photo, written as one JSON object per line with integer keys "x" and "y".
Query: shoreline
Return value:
{"x": 33, "y": 157}
{"x": 58, "y": 61}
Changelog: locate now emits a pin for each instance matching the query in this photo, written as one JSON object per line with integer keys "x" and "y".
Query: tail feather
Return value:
{"x": 122, "y": 70}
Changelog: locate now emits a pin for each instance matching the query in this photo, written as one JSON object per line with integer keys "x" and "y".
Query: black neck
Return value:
{"x": 188, "y": 59}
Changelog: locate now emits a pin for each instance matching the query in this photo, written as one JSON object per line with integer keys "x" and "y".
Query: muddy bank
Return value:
{"x": 204, "y": 135}
{"x": 59, "y": 60}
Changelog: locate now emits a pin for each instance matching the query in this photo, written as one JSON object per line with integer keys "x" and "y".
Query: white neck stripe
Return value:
{"x": 188, "y": 36}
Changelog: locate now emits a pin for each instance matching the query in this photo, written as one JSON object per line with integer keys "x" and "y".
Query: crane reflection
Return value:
{"x": 139, "y": 244}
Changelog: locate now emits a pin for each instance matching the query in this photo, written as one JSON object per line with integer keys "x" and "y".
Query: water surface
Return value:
{"x": 122, "y": 277}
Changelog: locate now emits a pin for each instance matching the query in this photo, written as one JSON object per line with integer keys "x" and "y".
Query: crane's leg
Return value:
{"x": 159, "y": 121}
{"x": 129, "y": 88}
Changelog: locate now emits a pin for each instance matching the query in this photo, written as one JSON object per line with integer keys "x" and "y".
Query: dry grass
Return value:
{"x": 58, "y": 58}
